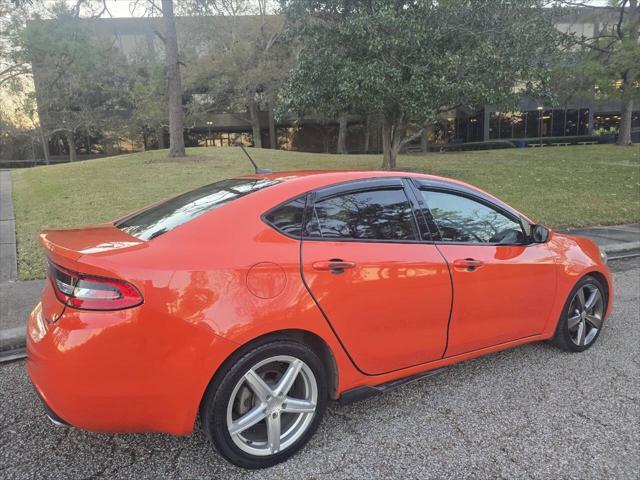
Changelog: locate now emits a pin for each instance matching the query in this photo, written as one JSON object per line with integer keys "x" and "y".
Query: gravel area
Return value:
{"x": 529, "y": 412}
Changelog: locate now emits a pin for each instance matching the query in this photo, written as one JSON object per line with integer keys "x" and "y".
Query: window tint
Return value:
{"x": 461, "y": 219}
{"x": 166, "y": 216}
{"x": 288, "y": 218}
{"x": 378, "y": 214}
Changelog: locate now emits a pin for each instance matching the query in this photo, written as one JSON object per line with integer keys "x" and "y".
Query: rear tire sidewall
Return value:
{"x": 214, "y": 408}
{"x": 562, "y": 337}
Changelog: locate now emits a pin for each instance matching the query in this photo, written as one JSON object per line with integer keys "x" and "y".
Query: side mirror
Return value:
{"x": 539, "y": 234}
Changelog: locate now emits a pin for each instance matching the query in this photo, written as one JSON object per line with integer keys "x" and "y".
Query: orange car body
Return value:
{"x": 227, "y": 277}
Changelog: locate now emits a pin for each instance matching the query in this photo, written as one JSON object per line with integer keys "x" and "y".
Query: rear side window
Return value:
{"x": 166, "y": 216}
{"x": 370, "y": 215}
{"x": 287, "y": 218}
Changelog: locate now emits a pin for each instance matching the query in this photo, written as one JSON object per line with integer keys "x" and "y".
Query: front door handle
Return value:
{"x": 467, "y": 264}
{"x": 335, "y": 265}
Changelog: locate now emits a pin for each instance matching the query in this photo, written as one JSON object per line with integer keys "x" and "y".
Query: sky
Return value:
{"x": 120, "y": 8}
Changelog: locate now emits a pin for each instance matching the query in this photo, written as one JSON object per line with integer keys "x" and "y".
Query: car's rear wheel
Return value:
{"x": 582, "y": 317}
{"x": 267, "y": 405}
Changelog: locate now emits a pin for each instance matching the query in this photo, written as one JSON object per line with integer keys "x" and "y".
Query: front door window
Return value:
{"x": 461, "y": 219}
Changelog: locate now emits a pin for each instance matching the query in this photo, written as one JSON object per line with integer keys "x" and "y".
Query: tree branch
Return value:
{"x": 587, "y": 5}
{"x": 621, "y": 19}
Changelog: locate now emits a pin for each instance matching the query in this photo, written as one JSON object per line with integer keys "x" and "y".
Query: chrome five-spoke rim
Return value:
{"x": 585, "y": 315}
{"x": 272, "y": 405}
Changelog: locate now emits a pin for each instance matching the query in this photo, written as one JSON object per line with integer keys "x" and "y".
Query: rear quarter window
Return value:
{"x": 166, "y": 216}
{"x": 287, "y": 218}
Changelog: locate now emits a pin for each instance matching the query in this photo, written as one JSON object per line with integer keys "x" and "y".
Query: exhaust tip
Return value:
{"x": 51, "y": 415}
{"x": 57, "y": 422}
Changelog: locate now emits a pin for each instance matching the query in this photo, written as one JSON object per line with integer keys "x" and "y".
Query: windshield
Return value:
{"x": 166, "y": 216}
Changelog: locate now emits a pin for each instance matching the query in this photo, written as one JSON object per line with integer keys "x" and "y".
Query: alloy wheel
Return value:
{"x": 272, "y": 405}
{"x": 585, "y": 314}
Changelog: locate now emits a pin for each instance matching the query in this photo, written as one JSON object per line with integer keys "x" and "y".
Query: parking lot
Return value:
{"x": 529, "y": 412}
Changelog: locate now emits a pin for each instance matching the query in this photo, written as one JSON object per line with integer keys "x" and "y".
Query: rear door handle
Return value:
{"x": 335, "y": 265}
{"x": 467, "y": 264}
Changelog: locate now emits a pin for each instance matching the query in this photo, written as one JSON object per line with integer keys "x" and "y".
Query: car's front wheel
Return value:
{"x": 267, "y": 405}
{"x": 583, "y": 316}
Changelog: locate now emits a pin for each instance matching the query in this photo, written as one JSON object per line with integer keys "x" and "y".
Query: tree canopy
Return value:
{"x": 89, "y": 77}
{"x": 245, "y": 62}
{"x": 408, "y": 62}
{"x": 605, "y": 65}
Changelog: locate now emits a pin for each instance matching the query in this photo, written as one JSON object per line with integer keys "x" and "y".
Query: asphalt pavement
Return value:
{"x": 529, "y": 412}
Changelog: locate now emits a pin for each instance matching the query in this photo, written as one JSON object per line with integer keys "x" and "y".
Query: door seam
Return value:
{"x": 446, "y": 345}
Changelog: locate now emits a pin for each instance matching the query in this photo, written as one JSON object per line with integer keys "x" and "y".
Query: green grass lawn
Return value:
{"x": 556, "y": 186}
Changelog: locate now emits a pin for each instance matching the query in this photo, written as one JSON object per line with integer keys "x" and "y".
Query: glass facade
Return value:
{"x": 559, "y": 117}
{"x": 466, "y": 129}
{"x": 532, "y": 123}
{"x": 544, "y": 123}
{"x": 571, "y": 123}
{"x": 610, "y": 120}
{"x": 539, "y": 123}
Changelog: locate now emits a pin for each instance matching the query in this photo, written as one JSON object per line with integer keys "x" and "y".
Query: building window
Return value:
{"x": 519, "y": 125}
{"x": 533, "y": 123}
{"x": 461, "y": 130}
{"x": 494, "y": 125}
{"x": 607, "y": 120}
{"x": 506, "y": 125}
{"x": 583, "y": 125}
{"x": 438, "y": 135}
{"x": 571, "y": 127}
{"x": 546, "y": 123}
{"x": 558, "y": 123}
{"x": 474, "y": 128}
{"x": 451, "y": 129}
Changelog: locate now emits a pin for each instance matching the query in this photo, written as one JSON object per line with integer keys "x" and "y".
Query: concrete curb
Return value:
{"x": 17, "y": 299}
{"x": 621, "y": 247}
{"x": 13, "y": 355}
{"x": 12, "y": 338}
{"x": 12, "y": 343}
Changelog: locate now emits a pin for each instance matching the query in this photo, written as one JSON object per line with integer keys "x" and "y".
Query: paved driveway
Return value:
{"x": 531, "y": 412}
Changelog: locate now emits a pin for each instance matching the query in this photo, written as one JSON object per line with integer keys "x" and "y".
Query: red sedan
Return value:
{"x": 255, "y": 300}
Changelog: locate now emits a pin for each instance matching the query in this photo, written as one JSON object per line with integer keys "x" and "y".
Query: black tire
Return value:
{"x": 214, "y": 405}
{"x": 563, "y": 337}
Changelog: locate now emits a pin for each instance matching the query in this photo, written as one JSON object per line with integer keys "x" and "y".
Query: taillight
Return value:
{"x": 88, "y": 292}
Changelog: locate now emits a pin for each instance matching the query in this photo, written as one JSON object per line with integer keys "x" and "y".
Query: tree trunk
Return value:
{"x": 342, "y": 134}
{"x": 630, "y": 77}
{"x": 160, "y": 135}
{"x": 423, "y": 142}
{"x": 273, "y": 140}
{"x": 387, "y": 140}
{"x": 71, "y": 144}
{"x": 45, "y": 147}
{"x": 392, "y": 136}
{"x": 367, "y": 136}
{"x": 624, "y": 134}
{"x": 87, "y": 141}
{"x": 255, "y": 123}
{"x": 176, "y": 130}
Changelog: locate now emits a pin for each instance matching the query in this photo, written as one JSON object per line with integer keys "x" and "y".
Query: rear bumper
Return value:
{"x": 51, "y": 415}
{"x": 114, "y": 372}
